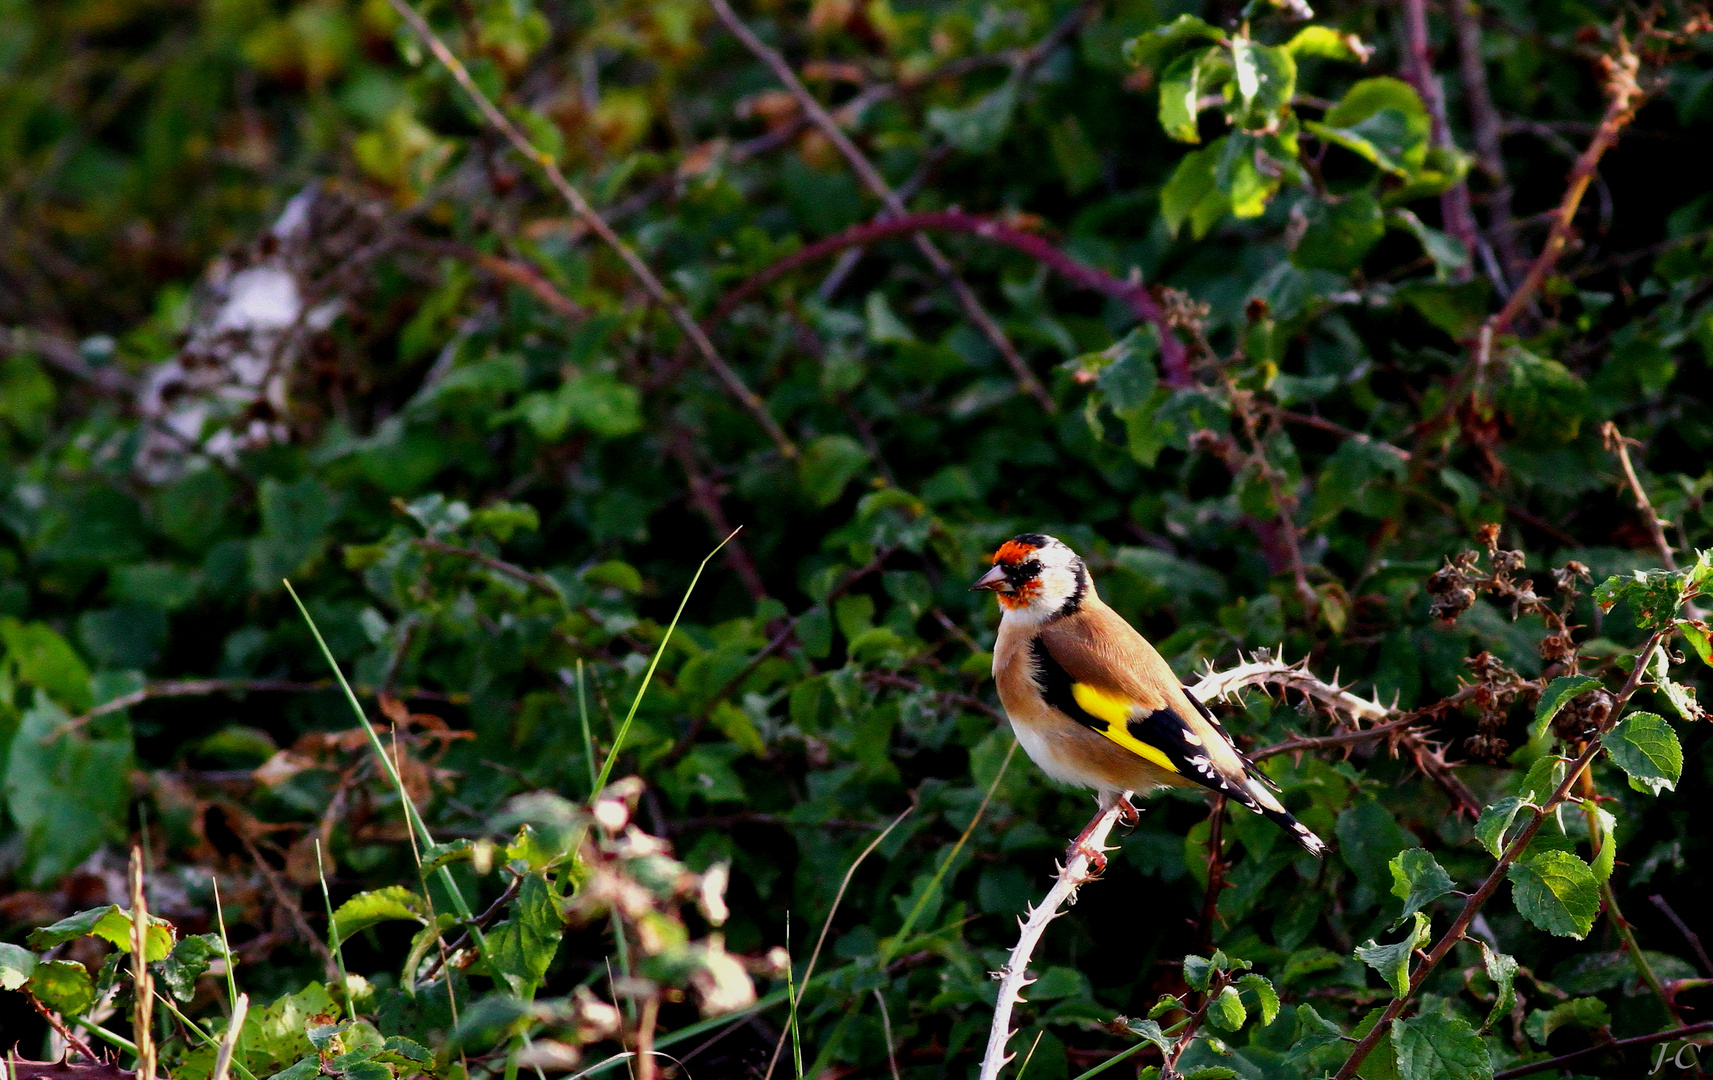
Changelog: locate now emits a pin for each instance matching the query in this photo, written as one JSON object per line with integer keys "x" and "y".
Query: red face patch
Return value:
{"x": 1013, "y": 552}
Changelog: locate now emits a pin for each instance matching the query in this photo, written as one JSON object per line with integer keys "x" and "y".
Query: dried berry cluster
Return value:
{"x": 1454, "y": 589}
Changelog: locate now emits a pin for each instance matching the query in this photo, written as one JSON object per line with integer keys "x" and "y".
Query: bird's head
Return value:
{"x": 1037, "y": 577}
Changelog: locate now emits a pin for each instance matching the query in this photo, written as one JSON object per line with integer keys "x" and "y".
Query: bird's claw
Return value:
{"x": 1128, "y": 814}
{"x": 1095, "y": 856}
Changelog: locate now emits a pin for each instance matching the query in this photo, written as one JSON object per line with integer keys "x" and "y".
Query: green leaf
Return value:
{"x": 1266, "y": 998}
{"x": 44, "y": 659}
{"x": 1165, "y": 41}
{"x": 829, "y": 464}
{"x": 1587, "y": 1013}
{"x": 1606, "y": 822}
{"x": 1211, "y": 1072}
{"x": 1325, "y": 43}
{"x": 1557, "y": 892}
{"x": 1393, "y": 961}
{"x": 368, "y": 909}
{"x": 596, "y": 401}
{"x": 63, "y": 986}
{"x": 1448, "y": 254}
{"x": 1266, "y": 77}
{"x": 1502, "y": 969}
{"x": 188, "y": 962}
{"x": 420, "y": 944}
{"x": 297, "y": 520}
{"x": 1313, "y": 1031}
{"x": 1681, "y": 698}
{"x": 1495, "y": 821}
{"x": 398, "y": 1050}
{"x": 16, "y": 965}
{"x": 1382, "y": 120}
{"x": 1699, "y": 637}
{"x": 1190, "y": 194}
{"x": 1558, "y": 693}
{"x": 1226, "y": 1009}
{"x": 1340, "y": 234}
{"x": 521, "y": 948}
{"x": 1198, "y": 972}
{"x": 978, "y": 127}
{"x": 1417, "y": 880}
{"x": 111, "y": 924}
{"x": 1150, "y": 1031}
{"x": 1182, "y": 86}
{"x": 1433, "y": 1047}
{"x": 438, "y": 855}
{"x": 1543, "y": 778}
{"x": 1644, "y": 745}
{"x": 1653, "y": 595}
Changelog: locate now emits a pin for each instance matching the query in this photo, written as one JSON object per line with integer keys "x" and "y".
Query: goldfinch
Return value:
{"x": 1094, "y": 704}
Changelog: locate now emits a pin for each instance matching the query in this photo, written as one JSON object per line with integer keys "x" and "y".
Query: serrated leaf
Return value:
{"x": 1543, "y": 778}
{"x": 419, "y": 945}
{"x": 1502, "y": 969}
{"x": 1211, "y": 1072}
{"x": 398, "y": 1050}
{"x": 1149, "y": 1030}
{"x": 1681, "y": 698}
{"x": 1646, "y": 748}
{"x": 16, "y": 965}
{"x": 111, "y": 924}
{"x": 1393, "y": 961}
{"x": 1417, "y": 880}
{"x": 1587, "y": 1013}
{"x": 521, "y": 948}
{"x": 1165, "y": 1005}
{"x": 1266, "y": 998}
{"x": 1495, "y": 821}
{"x": 1605, "y": 821}
{"x": 1182, "y": 86}
{"x": 62, "y": 985}
{"x": 1326, "y": 43}
{"x": 1559, "y": 693}
{"x": 187, "y": 962}
{"x": 1557, "y": 892}
{"x": 1700, "y": 638}
{"x": 1433, "y": 1047}
{"x": 439, "y": 855}
{"x": 1226, "y": 1010}
{"x": 1313, "y": 1031}
{"x": 372, "y": 908}
{"x": 1197, "y": 972}
{"x": 1266, "y": 77}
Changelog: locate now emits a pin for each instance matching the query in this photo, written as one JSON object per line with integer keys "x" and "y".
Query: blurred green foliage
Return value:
{"x": 275, "y": 303}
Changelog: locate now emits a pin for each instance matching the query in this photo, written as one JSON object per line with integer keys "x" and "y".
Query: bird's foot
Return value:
{"x": 1096, "y": 857}
{"x": 1128, "y": 814}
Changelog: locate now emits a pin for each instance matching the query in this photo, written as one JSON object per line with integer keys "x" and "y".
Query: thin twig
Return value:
{"x": 596, "y": 224}
{"x": 876, "y": 184}
{"x": 1623, "y": 94}
{"x": 1618, "y": 444}
{"x": 1578, "y": 1056}
{"x": 1485, "y": 126}
{"x": 706, "y": 498}
{"x": 1215, "y": 873}
{"x": 886, "y": 1032}
{"x": 1689, "y": 935}
{"x": 171, "y": 688}
{"x": 1132, "y": 293}
{"x": 1014, "y": 976}
{"x": 1418, "y": 69}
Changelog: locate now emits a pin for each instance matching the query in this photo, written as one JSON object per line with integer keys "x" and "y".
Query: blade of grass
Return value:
{"x": 234, "y": 1030}
{"x": 1030, "y": 1056}
{"x": 333, "y": 934}
{"x": 887, "y": 952}
{"x": 792, "y": 997}
{"x": 225, "y": 947}
{"x": 648, "y": 676}
{"x": 826, "y": 925}
{"x": 413, "y": 819}
{"x": 1123, "y": 1055}
{"x": 588, "y": 733}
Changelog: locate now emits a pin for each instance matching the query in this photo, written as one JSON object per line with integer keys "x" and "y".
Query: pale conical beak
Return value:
{"x": 993, "y": 581}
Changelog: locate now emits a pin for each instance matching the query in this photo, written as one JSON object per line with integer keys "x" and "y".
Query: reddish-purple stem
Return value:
{"x": 1173, "y": 357}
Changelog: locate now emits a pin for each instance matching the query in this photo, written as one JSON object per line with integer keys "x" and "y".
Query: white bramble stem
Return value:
{"x": 1015, "y": 975}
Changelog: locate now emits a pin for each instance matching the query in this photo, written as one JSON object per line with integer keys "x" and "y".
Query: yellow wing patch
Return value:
{"x": 1115, "y": 710}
